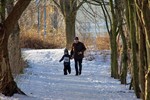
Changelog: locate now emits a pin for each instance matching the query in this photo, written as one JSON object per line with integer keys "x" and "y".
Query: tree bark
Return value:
{"x": 113, "y": 43}
{"x": 14, "y": 45}
{"x": 69, "y": 10}
{"x": 114, "y": 62}
{"x": 147, "y": 84}
{"x": 142, "y": 60}
{"x": 124, "y": 59}
{"x": 2, "y": 11}
{"x": 15, "y": 51}
{"x": 146, "y": 26}
{"x": 3, "y": 2}
{"x": 120, "y": 15}
{"x": 135, "y": 71}
{"x": 7, "y": 85}
{"x": 70, "y": 29}
{"x": 144, "y": 15}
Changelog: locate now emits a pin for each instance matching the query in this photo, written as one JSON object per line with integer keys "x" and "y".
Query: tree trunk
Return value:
{"x": 2, "y": 14}
{"x": 14, "y": 45}
{"x": 114, "y": 62}
{"x": 142, "y": 60}
{"x": 69, "y": 10}
{"x": 3, "y": 2}
{"x": 135, "y": 71}
{"x": 147, "y": 77}
{"x": 7, "y": 85}
{"x": 54, "y": 18}
{"x": 15, "y": 51}
{"x": 70, "y": 29}
{"x": 124, "y": 59}
{"x": 113, "y": 43}
{"x": 146, "y": 26}
{"x": 120, "y": 15}
{"x": 147, "y": 89}
{"x": 145, "y": 16}
{"x": 142, "y": 49}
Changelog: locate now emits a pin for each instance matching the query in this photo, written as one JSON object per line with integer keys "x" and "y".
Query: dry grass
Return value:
{"x": 31, "y": 39}
{"x": 95, "y": 44}
{"x": 103, "y": 43}
{"x": 100, "y": 42}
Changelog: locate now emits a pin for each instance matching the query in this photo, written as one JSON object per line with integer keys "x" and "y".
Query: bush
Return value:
{"x": 103, "y": 43}
{"x": 31, "y": 39}
{"x": 96, "y": 43}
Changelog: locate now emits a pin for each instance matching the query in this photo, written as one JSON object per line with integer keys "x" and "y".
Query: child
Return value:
{"x": 66, "y": 57}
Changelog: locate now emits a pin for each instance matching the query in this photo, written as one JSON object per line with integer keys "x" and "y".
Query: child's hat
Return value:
{"x": 66, "y": 50}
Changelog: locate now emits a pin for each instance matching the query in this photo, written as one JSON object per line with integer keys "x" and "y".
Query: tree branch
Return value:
{"x": 97, "y": 2}
{"x": 59, "y": 6}
{"x": 56, "y": 4}
{"x": 14, "y": 16}
{"x": 80, "y": 4}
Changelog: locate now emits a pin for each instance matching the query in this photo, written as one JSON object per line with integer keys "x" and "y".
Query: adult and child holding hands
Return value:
{"x": 77, "y": 53}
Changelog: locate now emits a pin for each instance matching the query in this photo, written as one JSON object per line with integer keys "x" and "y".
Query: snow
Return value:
{"x": 43, "y": 79}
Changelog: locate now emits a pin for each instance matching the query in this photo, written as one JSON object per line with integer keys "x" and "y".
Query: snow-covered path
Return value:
{"x": 44, "y": 79}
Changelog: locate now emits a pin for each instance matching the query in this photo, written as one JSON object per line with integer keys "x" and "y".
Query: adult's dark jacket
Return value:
{"x": 76, "y": 49}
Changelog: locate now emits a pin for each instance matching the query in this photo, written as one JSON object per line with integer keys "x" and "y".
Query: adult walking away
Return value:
{"x": 77, "y": 52}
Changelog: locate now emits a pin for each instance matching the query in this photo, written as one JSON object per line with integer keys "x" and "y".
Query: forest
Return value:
{"x": 127, "y": 24}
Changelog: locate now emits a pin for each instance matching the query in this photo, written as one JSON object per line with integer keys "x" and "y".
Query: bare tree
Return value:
{"x": 112, "y": 30}
{"x": 69, "y": 10}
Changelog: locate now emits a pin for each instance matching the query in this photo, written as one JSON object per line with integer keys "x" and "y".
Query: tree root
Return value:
{"x": 10, "y": 89}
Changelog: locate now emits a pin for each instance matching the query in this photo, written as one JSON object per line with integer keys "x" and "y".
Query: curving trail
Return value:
{"x": 44, "y": 79}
